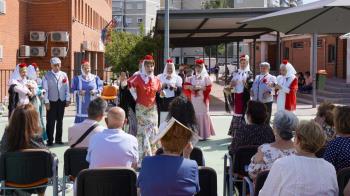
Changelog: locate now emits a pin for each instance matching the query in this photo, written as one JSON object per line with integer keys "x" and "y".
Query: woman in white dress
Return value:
{"x": 303, "y": 174}
{"x": 171, "y": 87}
{"x": 198, "y": 88}
{"x": 22, "y": 89}
{"x": 286, "y": 87}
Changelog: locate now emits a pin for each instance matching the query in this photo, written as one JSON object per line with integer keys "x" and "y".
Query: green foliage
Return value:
{"x": 125, "y": 50}
{"x": 212, "y": 4}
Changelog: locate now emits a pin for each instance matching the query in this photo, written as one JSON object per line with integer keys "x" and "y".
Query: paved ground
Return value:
{"x": 214, "y": 148}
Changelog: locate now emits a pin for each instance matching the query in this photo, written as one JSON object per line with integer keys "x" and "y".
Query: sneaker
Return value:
{"x": 49, "y": 144}
{"x": 59, "y": 143}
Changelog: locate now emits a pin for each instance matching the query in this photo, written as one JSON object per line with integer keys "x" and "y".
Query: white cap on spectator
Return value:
{"x": 55, "y": 61}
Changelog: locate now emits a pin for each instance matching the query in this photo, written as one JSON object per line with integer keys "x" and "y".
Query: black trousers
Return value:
{"x": 269, "y": 110}
{"x": 55, "y": 116}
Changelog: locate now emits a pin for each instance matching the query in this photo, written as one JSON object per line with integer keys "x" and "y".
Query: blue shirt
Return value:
{"x": 338, "y": 152}
{"x": 112, "y": 148}
{"x": 164, "y": 175}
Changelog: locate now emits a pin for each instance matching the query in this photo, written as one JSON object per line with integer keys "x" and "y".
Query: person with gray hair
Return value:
{"x": 263, "y": 87}
{"x": 80, "y": 133}
{"x": 284, "y": 125}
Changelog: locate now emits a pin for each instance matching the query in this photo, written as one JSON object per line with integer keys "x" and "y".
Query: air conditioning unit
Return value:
{"x": 2, "y": 7}
{"x": 37, "y": 36}
{"x": 59, "y": 51}
{"x": 85, "y": 45}
{"x": 59, "y": 36}
{"x": 24, "y": 51}
{"x": 37, "y": 51}
{"x": 1, "y": 52}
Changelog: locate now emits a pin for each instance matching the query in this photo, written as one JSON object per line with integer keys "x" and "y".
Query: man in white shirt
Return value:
{"x": 95, "y": 115}
{"x": 113, "y": 147}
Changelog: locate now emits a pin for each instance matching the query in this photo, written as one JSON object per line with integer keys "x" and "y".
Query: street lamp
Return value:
{"x": 166, "y": 31}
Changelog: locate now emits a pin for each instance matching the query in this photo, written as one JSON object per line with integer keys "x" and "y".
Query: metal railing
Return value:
{"x": 5, "y": 75}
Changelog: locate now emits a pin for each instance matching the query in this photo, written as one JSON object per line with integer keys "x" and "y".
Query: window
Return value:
{"x": 140, "y": 6}
{"x": 298, "y": 45}
{"x": 286, "y": 53}
{"x": 128, "y": 21}
{"x": 139, "y": 20}
{"x": 331, "y": 53}
{"x": 2, "y": 7}
{"x": 129, "y": 6}
{"x": 319, "y": 43}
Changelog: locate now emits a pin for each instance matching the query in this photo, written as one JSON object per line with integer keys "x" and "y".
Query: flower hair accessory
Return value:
{"x": 148, "y": 58}
{"x": 285, "y": 62}
{"x": 169, "y": 61}
{"x": 23, "y": 65}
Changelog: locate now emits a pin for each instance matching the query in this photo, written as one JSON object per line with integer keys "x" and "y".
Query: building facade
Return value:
{"x": 34, "y": 31}
{"x": 131, "y": 14}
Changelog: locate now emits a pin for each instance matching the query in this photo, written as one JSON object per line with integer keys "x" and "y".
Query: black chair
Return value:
{"x": 196, "y": 155}
{"x": 74, "y": 162}
{"x": 259, "y": 183}
{"x": 343, "y": 177}
{"x": 28, "y": 169}
{"x": 107, "y": 182}
{"x": 237, "y": 168}
{"x": 207, "y": 182}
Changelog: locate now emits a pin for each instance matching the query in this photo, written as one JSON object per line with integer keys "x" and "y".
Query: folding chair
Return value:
{"x": 196, "y": 155}
{"x": 109, "y": 93}
{"x": 74, "y": 162}
{"x": 259, "y": 183}
{"x": 107, "y": 182}
{"x": 207, "y": 182}
{"x": 237, "y": 168}
{"x": 343, "y": 177}
{"x": 28, "y": 169}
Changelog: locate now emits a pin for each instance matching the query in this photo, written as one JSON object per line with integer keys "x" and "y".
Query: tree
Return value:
{"x": 212, "y": 4}
{"x": 125, "y": 50}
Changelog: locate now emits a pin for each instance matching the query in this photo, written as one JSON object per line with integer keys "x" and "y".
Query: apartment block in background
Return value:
{"x": 131, "y": 14}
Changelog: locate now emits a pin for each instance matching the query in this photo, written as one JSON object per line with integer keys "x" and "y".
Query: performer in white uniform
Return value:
{"x": 287, "y": 87}
{"x": 171, "y": 86}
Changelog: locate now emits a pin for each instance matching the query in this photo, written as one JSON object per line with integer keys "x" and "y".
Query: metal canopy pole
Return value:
{"x": 209, "y": 59}
{"x": 278, "y": 52}
{"x": 226, "y": 68}
{"x": 237, "y": 54}
{"x": 314, "y": 68}
{"x": 166, "y": 32}
{"x": 254, "y": 55}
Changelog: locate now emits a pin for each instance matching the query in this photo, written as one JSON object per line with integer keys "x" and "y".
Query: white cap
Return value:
{"x": 55, "y": 61}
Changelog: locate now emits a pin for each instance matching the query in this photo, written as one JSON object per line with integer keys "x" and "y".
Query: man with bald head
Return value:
{"x": 113, "y": 147}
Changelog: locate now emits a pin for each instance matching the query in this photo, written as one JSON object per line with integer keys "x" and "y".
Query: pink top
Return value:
{"x": 146, "y": 93}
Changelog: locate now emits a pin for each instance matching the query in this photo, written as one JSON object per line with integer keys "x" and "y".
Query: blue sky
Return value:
{"x": 308, "y": 1}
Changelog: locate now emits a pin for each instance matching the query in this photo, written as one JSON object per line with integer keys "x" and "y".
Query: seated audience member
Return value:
{"x": 23, "y": 132}
{"x": 182, "y": 110}
{"x": 338, "y": 150}
{"x": 302, "y": 173}
{"x": 89, "y": 126}
{"x": 324, "y": 117}
{"x": 256, "y": 131}
{"x": 113, "y": 147}
{"x": 170, "y": 173}
{"x": 308, "y": 83}
{"x": 284, "y": 124}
